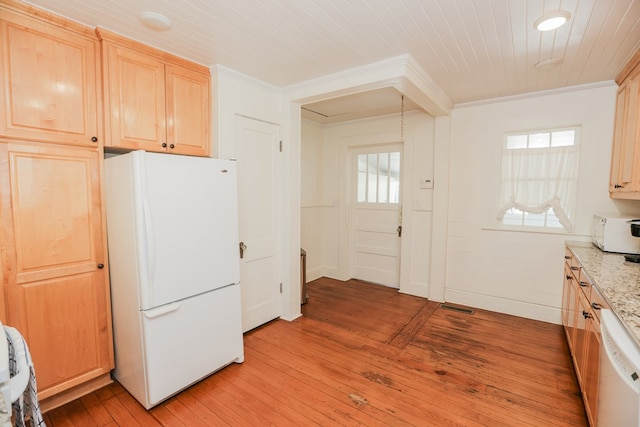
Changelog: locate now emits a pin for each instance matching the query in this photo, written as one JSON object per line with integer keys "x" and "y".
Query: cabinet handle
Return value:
{"x": 172, "y": 146}
{"x": 567, "y": 257}
{"x": 584, "y": 284}
{"x": 587, "y": 315}
{"x": 596, "y": 306}
{"x": 574, "y": 268}
{"x": 100, "y": 265}
{"x": 568, "y": 276}
{"x": 164, "y": 145}
{"x": 94, "y": 139}
{"x": 617, "y": 186}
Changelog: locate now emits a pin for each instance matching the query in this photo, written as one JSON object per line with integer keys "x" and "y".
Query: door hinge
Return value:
{"x": 280, "y": 287}
{"x": 281, "y": 146}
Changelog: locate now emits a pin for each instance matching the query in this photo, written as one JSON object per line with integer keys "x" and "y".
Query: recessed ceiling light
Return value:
{"x": 547, "y": 64}
{"x": 551, "y": 21}
{"x": 155, "y": 21}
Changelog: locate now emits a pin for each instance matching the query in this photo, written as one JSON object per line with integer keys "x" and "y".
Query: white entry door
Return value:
{"x": 258, "y": 155}
{"x": 376, "y": 216}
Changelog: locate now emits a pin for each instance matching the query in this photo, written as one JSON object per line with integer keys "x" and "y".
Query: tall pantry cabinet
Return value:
{"x": 55, "y": 285}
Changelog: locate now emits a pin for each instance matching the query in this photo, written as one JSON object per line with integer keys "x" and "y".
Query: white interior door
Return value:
{"x": 376, "y": 216}
{"x": 258, "y": 156}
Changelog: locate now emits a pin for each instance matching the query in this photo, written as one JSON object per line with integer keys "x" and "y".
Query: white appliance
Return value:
{"x": 619, "y": 381}
{"x": 613, "y": 234}
{"x": 172, "y": 228}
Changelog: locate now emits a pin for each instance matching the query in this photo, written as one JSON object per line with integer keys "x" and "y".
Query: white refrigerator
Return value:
{"x": 172, "y": 229}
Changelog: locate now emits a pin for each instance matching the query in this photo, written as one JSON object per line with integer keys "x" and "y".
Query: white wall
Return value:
{"x": 312, "y": 203}
{"x": 325, "y": 201}
{"x": 512, "y": 272}
{"x": 519, "y": 272}
{"x": 237, "y": 94}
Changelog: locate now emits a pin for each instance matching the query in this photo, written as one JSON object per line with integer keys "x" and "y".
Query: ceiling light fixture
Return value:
{"x": 155, "y": 21}
{"x": 552, "y": 20}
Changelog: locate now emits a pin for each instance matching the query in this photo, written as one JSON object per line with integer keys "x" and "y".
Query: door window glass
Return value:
{"x": 379, "y": 177}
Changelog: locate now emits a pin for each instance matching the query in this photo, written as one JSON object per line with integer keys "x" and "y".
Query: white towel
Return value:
{"x": 28, "y": 402}
{"x": 5, "y": 413}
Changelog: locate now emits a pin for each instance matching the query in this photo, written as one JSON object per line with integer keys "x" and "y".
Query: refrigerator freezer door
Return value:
{"x": 190, "y": 226}
{"x": 184, "y": 345}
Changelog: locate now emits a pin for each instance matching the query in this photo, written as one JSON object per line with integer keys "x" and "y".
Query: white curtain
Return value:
{"x": 536, "y": 179}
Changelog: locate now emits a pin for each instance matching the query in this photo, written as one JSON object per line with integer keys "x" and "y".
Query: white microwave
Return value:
{"x": 613, "y": 234}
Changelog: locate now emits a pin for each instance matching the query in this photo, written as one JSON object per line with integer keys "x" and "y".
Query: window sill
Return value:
{"x": 534, "y": 230}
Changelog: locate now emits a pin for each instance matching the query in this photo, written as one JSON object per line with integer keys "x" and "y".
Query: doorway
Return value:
{"x": 376, "y": 214}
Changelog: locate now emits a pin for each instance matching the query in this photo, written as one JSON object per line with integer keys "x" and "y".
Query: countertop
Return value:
{"x": 617, "y": 280}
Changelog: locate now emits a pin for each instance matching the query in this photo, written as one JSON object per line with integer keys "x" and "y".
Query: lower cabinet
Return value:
{"x": 581, "y": 307}
{"x": 592, "y": 367}
{"x": 54, "y": 266}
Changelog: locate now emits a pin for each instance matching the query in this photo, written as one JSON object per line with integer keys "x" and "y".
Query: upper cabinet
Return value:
{"x": 625, "y": 159}
{"x": 154, "y": 101}
{"x": 48, "y": 81}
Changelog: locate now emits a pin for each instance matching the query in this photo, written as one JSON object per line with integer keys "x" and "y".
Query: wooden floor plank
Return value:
{"x": 422, "y": 386}
{"x": 406, "y": 334}
{"x": 366, "y": 355}
{"x": 119, "y": 413}
{"x": 321, "y": 403}
{"x": 206, "y": 415}
{"x": 95, "y": 409}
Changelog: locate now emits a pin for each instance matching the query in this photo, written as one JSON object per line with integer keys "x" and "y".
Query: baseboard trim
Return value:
{"x": 503, "y": 305}
{"x": 314, "y": 273}
{"x": 75, "y": 392}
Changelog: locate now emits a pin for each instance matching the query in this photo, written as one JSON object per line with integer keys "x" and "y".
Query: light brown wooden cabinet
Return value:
{"x": 625, "y": 160}
{"x": 49, "y": 81}
{"x": 154, "y": 101}
{"x": 55, "y": 284}
{"x": 54, "y": 259}
{"x": 581, "y": 307}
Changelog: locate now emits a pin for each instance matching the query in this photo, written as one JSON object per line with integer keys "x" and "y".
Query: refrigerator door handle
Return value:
{"x": 151, "y": 255}
{"x": 161, "y": 311}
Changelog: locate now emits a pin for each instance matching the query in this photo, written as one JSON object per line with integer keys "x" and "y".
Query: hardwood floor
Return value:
{"x": 367, "y": 355}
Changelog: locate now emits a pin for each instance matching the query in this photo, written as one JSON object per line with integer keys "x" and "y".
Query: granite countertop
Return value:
{"x": 617, "y": 280}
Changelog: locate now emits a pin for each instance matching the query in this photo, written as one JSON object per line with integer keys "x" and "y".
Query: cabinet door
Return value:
{"x": 592, "y": 367}
{"x": 134, "y": 100}
{"x": 568, "y": 306}
{"x": 616, "y": 180}
{"x": 54, "y": 263}
{"x": 188, "y": 130}
{"x": 48, "y": 82}
{"x": 624, "y": 177}
{"x": 581, "y": 335}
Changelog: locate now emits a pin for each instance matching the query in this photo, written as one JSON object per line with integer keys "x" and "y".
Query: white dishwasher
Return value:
{"x": 619, "y": 383}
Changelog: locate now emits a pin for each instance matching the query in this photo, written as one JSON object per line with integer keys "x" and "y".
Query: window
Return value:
{"x": 379, "y": 177}
{"x": 539, "y": 179}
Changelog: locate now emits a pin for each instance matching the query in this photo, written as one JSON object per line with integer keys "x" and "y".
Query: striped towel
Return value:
{"x": 5, "y": 413}
{"x": 28, "y": 402}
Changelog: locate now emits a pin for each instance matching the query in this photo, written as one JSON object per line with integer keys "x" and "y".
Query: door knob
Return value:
{"x": 243, "y": 248}
{"x": 399, "y": 230}
{"x": 100, "y": 265}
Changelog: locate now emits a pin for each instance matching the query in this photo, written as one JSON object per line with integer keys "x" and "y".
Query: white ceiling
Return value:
{"x": 472, "y": 49}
